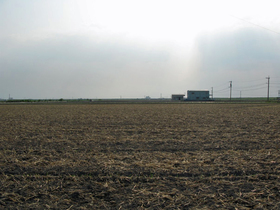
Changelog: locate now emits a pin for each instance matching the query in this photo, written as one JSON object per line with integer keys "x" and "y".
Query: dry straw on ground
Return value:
{"x": 141, "y": 156}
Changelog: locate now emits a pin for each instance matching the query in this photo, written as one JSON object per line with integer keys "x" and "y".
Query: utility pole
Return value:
{"x": 212, "y": 93}
{"x": 230, "y": 86}
{"x": 268, "y": 78}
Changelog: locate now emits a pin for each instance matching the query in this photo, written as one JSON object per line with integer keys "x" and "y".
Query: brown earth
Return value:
{"x": 140, "y": 156}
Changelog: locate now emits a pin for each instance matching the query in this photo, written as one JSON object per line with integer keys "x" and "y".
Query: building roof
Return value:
{"x": 197, "y": 90}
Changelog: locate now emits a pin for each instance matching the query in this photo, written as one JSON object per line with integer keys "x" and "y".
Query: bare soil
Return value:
{"x": 140, "y": 156}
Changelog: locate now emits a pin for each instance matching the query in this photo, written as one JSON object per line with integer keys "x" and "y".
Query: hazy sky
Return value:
{"x": 132, "y": 49}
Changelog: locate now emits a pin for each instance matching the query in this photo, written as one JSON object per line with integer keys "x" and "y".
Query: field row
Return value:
{"x": 153, "y": 156}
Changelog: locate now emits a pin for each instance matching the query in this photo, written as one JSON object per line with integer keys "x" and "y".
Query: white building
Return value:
{"x": 178, "y": 97}
{"x": 198, "y": 95}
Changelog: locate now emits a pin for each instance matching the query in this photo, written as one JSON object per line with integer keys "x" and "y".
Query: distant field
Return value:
{"x": 140, "y": 156}
{"x": 138, "y": 101}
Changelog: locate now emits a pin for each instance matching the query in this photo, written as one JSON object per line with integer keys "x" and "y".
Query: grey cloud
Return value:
{"x": 81, "y": 49}
{"x": 239, "y": 56}
{"x": 20, "y": 17}
{"x": 76, "y": 66}
{"x": 243, "y": 50}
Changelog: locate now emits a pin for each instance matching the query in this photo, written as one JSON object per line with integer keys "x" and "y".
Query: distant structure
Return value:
{"x": 198, "y": 95}
{"x": 177, "y": 97}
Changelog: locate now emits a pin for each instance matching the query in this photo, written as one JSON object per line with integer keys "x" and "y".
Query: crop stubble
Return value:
{"x": 143, "y": 156}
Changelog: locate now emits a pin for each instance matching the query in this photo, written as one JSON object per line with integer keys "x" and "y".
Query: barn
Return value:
{"x": 177, "y": 97}
{"x": 198, "y": 95}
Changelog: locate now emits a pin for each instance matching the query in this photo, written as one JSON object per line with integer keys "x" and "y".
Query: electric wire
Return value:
{"x": 243, "y": 88}
{"x": 225, "y": 89}
{"x": 220, "y": 85}
{"x": 255, "y": 24}
{"x": 247, "y": 87}
{"x": 253, "y": 89}
{"x": 249, "y": 81}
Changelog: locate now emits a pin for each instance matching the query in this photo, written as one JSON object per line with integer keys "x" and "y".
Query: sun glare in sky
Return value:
{"x": 175, "y": 21}
{"x": 152, "y": 21}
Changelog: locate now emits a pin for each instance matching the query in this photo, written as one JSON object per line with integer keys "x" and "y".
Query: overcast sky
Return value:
{"x": 132, "y": 49}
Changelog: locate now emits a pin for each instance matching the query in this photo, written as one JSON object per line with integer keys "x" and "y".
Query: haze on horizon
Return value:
{"x": 133, "y": 49}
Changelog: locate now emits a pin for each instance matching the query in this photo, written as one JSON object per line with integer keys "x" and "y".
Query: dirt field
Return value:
{"x": 141, "y": 156}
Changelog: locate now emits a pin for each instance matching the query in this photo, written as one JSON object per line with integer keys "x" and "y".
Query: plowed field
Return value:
{"x": 140, "y": 156}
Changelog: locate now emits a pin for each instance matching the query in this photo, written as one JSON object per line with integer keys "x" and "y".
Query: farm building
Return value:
{"x": 177, "y": 97}
{"x": 198, "y": 95}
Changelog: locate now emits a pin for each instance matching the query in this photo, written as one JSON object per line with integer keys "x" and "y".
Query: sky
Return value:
{"x": 53, "y": 49}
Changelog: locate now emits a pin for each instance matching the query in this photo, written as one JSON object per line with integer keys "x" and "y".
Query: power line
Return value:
{"x": 255, "y": 24}
{"x": 220, "y": 85}
{"x": 242, "y": 88}
{"x": 274, "y": 85}
{"x": 248, "y": 81}
{"x": 252, "y": 89}
{"x": 225, "y": 89}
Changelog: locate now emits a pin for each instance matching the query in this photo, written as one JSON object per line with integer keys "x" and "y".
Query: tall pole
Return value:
{"x": 212, "y": 94}
{"x": 268, "y": 78}
{"x": 230, "y": 86}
